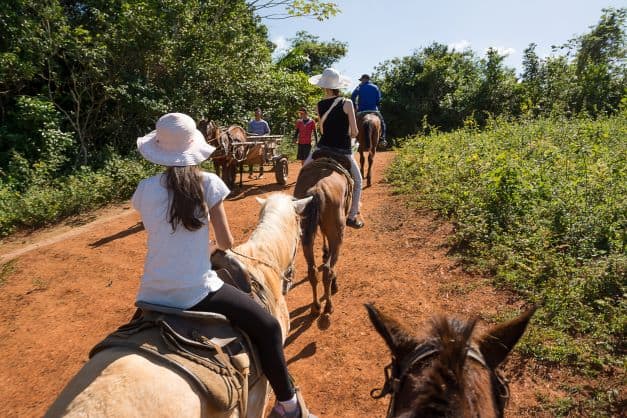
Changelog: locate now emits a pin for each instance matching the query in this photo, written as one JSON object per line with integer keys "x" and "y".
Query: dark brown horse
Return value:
{"x": 369, "y": 126}
{"x": 449, "y": 372}
{"x": 225, "y": 157}
{"x": 328, "y": 209}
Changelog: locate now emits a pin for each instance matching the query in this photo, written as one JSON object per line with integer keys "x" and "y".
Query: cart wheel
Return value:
{"x": 229, "y": 172}
{"x": 280, "y": 171}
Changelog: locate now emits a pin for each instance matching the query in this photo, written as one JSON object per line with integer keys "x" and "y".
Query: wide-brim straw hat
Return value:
{"x": 331, "y": 79}
{"x": 175, "y": 142}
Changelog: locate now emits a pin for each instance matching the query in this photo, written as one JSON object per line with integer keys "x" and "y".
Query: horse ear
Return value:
{"x": 499, "y": 340}
{"x": 301, "y": 204}
{"x": 261, "y": 200}
{"x": 391, "y": 330}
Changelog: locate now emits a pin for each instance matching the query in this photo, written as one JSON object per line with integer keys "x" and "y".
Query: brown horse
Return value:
{"x": 125, "y": 382}
{"x": 369, "y": 126}
{"x": 448, "y": 372}
{"x": 328, "y": 209}
{"x": 226, "y": 156}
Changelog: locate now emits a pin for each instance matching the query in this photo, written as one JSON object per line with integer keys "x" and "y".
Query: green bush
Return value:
{"x": 86, "y": 189}
{"x": 542, "y": 206}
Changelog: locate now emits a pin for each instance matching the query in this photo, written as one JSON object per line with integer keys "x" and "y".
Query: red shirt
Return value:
{"x": 305, "y": 129}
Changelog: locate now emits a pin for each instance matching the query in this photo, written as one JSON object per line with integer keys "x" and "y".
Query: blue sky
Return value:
{"x": 377, "y": 30}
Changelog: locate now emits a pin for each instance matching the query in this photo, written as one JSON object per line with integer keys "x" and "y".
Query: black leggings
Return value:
{"x": 262, "y": 328}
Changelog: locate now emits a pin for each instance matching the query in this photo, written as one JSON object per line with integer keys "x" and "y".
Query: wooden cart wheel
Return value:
{"x": 281, "y": 170}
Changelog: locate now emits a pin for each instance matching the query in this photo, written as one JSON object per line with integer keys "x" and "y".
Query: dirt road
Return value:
{"x": 69, "y": 287}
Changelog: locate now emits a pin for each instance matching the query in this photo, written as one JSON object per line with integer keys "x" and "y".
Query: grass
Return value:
{"x": 6, "y": 270}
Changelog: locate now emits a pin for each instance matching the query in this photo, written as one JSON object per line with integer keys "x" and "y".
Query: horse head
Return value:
{"x": 448, "y": 372}
{"x": 210, "y": 131}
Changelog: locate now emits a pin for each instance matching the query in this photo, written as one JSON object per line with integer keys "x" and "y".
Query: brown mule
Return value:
{"x": 226, "y": 156}
{"x": 448, "y": 372}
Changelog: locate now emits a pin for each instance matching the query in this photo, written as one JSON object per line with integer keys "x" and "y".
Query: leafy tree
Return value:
{"x": 497, "y": 93}
{"x": 309, "y": 55}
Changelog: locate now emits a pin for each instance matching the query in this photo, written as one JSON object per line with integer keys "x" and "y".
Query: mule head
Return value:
{"x": 446, "y": 372}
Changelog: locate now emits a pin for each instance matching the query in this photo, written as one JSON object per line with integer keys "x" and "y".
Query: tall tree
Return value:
{"x": 310, "y": 55}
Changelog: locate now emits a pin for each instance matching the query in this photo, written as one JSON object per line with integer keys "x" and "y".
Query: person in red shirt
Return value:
{"x": 305, "y": 127}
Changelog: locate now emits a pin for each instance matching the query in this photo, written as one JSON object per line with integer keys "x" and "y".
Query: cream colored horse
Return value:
{"x": 121, "y": 383}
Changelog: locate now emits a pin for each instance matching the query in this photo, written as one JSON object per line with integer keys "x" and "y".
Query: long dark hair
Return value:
{"x": 187, "y": 205}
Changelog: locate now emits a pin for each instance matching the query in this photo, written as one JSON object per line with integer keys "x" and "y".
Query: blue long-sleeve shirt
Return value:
{"x": 369, "y": 97}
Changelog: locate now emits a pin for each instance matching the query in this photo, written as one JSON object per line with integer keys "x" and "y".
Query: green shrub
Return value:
{"x": 85, "y": 189}
{"x": 541, "y": 205}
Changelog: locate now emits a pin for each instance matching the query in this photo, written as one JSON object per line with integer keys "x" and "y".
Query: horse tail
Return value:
{"x": 367, "y": 128}
{"x": 309, "y": 219}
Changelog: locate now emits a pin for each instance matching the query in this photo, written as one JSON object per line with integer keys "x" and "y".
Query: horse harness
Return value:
{"x": 396, "y": 371}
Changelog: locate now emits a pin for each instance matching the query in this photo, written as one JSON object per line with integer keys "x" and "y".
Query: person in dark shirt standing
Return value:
{"x": 367, "y": 97}
{"x": 305, "y": 127}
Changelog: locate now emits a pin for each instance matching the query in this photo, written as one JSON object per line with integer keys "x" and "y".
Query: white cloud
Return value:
{"x": 459, "y": 46}
{"x": 502, "y": 50}
{"x": 281, "y": 44}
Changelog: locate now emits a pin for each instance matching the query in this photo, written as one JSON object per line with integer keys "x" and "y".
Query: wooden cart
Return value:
{"x": 261, "y": 150}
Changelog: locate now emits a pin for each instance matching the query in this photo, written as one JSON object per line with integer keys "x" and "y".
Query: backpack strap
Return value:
{"x": 324, "y": 117}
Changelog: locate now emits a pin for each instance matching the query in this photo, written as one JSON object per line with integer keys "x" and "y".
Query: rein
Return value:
{"x": 396, "y": 372}
{"x": 287, "y": 276}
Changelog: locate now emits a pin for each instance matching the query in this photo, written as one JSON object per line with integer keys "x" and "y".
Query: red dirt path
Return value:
{"x": 64, "y": 296}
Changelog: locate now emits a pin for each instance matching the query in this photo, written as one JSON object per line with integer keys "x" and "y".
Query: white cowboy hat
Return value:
{"x": 330, "y": 79}
{"x": 176, "y": 142}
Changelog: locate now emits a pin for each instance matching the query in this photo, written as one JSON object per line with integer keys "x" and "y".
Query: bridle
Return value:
{"x": 396, "y": 372}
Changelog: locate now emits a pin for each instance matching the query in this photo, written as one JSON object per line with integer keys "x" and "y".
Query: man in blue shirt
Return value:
{"x": 258, "y": 126}
{"x": 367, "y": 97}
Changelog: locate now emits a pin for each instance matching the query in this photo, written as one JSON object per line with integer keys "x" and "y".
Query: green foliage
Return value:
{"x": 447, "y": 88}
{"x": 540, "y": 205}
{"x": 310, "y": 56}
{"x": 85, "y": 189}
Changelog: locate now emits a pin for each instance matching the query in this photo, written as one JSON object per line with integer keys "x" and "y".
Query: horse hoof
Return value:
{"x": 324, "y": 322}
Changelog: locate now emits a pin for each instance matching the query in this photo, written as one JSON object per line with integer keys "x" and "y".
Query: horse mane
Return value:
{"x": 441, "y": 391}
{"x": 271, "y": 237}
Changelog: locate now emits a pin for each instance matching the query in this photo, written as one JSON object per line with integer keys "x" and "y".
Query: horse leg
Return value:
{"x": 361, "y": 163}
{"x": 312, "y": 275}
{"x": 325, "y": 250}
{"x": 216, "y": 168}
{"x": 260, "y": 171}
{"x": 329, "y": 278}
{"x": 370, "y": 161}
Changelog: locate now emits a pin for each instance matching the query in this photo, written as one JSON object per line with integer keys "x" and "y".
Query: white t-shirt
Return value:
{"x": 177, "y": 270}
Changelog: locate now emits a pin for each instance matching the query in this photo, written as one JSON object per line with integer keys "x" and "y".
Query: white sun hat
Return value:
{"x": 175, "y": 143}
{"x": 331, "y": 79}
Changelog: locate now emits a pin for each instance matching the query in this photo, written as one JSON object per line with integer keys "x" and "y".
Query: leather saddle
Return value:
{"x": 218, "y": 359}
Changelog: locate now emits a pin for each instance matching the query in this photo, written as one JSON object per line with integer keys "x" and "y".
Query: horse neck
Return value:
{"x": 275, "y": 238}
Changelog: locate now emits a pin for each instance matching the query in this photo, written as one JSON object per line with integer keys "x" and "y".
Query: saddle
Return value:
{"x": 326, "y": 160}
{"x": 204, "y": 347}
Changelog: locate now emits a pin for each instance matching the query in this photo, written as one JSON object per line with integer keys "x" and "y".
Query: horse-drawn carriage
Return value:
{"x": 235, "y": 148}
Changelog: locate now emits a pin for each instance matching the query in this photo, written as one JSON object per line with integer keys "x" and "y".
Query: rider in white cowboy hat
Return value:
{"x": 176, "y": 208}
{"x": 338, "y": 125}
